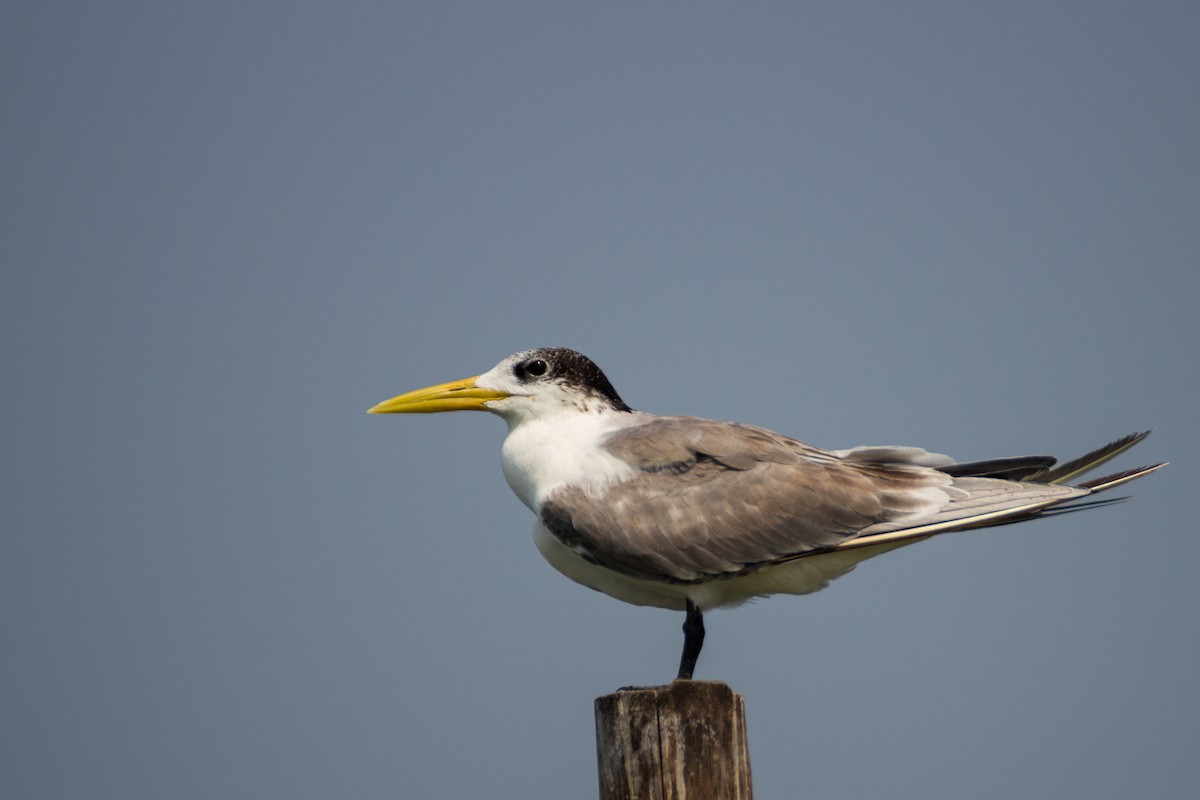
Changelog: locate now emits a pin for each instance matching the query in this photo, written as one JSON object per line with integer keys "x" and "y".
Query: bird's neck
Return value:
{"x": 543, "y": 453}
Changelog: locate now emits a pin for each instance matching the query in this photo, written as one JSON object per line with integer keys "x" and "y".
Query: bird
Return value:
{"x": 695, "y": 514}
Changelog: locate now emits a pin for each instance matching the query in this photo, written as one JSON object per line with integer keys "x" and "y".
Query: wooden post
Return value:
{"x": 683, "y": 741}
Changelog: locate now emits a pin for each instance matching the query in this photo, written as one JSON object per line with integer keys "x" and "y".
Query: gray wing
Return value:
{"x": 715, "y": 498}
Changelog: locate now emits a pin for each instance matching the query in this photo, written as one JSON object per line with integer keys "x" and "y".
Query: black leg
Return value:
{"x": 693, "y": 640}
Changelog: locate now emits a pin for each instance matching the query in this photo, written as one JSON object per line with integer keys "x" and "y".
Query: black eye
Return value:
{"x": 535, "y": 367}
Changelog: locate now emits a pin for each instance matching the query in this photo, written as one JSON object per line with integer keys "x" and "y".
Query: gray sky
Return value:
{"x": 229, "y": 228}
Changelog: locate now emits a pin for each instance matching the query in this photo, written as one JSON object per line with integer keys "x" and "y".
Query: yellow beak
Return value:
{"x": 461, "y": 395}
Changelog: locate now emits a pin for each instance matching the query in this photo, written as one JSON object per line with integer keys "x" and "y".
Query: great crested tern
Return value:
{"x": 694, "y": 514}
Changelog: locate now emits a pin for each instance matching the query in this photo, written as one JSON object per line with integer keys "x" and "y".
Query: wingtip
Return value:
{"x": 1078, "y": 467}
{"x": 1118, "y": 478}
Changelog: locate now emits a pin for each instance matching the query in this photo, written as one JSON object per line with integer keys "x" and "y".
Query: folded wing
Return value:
{"x": 713, "y": 499}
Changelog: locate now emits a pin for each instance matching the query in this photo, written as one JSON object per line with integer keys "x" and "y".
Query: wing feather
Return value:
{"x": 715, "y": 498}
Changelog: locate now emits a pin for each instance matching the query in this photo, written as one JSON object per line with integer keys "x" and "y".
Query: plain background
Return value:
{"x": 230, "y": 228}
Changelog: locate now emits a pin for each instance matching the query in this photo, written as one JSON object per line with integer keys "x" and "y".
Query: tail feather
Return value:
{"x": 1028, "y": 505}
{"x": 1118, "y": 478}
{"x": 1089, "y": 461}
{"x": 1016, "y": 468}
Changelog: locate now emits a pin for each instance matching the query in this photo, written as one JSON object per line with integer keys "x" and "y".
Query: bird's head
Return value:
{"x": 525, "y": 385}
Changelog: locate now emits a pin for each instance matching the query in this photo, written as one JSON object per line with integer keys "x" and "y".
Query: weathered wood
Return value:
{"x": 683, "y": 741}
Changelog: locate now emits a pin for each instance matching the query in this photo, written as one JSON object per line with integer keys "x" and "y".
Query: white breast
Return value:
{"x": 541, "y": 454}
